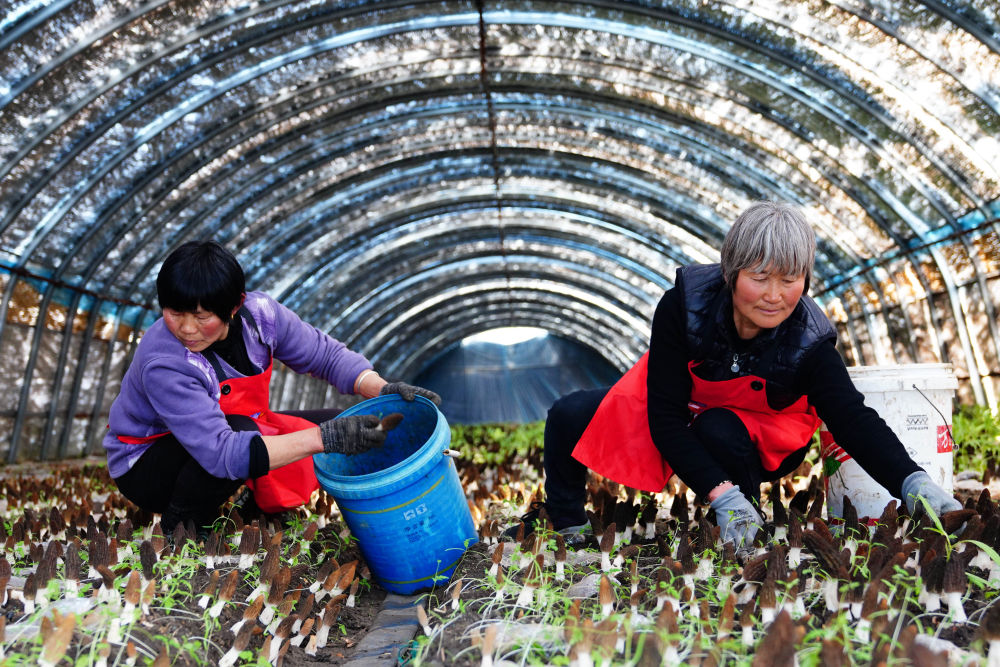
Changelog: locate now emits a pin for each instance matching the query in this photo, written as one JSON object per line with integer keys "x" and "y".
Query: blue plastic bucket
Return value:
{"x": 403, "y": 501}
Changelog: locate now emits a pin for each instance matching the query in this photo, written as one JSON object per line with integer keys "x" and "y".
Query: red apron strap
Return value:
{"x": 132, "y": 440}
{"x": 776, "y": 433}
{"x": 290, "y": 485}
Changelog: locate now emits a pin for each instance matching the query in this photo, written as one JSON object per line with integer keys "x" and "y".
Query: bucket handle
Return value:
{"x": 940, "y": 414}
{"x": 452, "y": 453}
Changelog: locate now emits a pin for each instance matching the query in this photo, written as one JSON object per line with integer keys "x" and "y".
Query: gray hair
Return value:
{"x": 769, "y": 235}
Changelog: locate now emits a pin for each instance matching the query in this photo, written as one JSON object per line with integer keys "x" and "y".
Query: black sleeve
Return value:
{"x": 260, "y": 460}
{"x": 857, "y": 428}
{"x": 669, "y": 386}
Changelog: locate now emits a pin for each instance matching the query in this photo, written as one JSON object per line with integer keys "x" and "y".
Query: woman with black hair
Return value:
{"x": 192, "y": 421}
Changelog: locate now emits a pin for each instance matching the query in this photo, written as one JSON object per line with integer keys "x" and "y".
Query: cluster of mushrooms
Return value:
{"x": 83, "y": 573}
{"x": 653, "y": 585}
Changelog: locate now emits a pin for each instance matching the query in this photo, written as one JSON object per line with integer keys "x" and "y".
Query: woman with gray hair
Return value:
{"x": 741, "y": 368}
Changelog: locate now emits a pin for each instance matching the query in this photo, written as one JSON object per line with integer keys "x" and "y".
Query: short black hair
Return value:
{"x": 201, "y": 273}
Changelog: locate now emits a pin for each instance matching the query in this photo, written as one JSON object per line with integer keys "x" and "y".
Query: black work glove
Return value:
{"x": 407, "y": 392}
{"x": 351, "y": 435}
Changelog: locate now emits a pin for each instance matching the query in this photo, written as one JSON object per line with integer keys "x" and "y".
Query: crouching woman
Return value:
{"x": 192, "y": 422}
{"x": 741, "y": 368}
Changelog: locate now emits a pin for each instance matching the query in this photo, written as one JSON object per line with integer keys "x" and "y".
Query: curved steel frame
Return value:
{"x": 405, "y": 178}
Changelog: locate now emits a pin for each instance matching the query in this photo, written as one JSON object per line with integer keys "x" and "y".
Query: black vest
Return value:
{"x": 773, "y": 355}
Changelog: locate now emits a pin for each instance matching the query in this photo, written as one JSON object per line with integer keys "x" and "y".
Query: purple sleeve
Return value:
{"x": 183, "y": 399}
{"x": 303, "y": 347}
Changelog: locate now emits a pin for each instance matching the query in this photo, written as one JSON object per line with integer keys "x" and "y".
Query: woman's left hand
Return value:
{"x": 408, "y": 392}
{"x": 737, "y": 519}
{"x": 351, "y": 435}
{"x": 920, "y": 485}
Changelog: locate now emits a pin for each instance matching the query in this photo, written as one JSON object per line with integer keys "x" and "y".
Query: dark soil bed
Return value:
{"x": 51, "y": 511}
{"x": 52, "y": 507}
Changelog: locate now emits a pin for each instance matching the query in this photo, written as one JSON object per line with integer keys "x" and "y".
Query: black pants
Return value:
{"x": 168, "y": 480}
{"x": 720, "y": 432}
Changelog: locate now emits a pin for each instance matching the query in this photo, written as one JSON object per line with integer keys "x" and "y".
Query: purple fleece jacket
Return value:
{"x": 169, "y": 388}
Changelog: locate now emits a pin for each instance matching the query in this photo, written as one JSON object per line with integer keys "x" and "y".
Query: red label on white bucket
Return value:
{"x": 944, "y": 442}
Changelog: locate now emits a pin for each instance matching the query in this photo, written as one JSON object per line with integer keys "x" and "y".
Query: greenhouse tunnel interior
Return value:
{"x": 408, "y": 175}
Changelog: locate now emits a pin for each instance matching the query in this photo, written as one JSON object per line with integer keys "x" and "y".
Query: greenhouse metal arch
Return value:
{"x": 406, "y": 174}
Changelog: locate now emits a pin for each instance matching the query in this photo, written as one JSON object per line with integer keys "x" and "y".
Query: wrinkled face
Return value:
{"x": 764, "y": 299}
{"x": 195, "y": 330}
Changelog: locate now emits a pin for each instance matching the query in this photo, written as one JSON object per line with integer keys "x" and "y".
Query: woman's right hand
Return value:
{"x": 351, "y": 435}
{"x": 737, "y": 518}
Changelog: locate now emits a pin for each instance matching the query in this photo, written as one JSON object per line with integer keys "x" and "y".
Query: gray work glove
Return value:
{"x": 351, "y": 435}
{"x": 408, "y": 392}
{"x": 920, "y": 484}
{"x": 737, "y": 518}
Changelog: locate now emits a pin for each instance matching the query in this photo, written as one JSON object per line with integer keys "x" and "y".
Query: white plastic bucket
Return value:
{"x": 915, "y": 400}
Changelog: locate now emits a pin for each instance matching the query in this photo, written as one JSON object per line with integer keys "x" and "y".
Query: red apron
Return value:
{"x": 286, "y": 487}
{"x": 617, "y": 443}
{"x": 290, "y": 485}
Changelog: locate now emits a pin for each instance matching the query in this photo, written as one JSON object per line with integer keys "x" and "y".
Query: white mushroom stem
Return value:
{"x": 798, "y": 608}
{"x": 724, "y": 586}
{"x": 982, "y": 561}
{"x": 114, "y": 635}
{"x": 216, "y": 608}
{"x": 321, "y": 635}
{"x": 831, "y": 594}
{"x": 862, "y": 631}
{"x": 956, "y": 612}
{"x": 276, "y": 643}
{"x": 261, "y": 589}
{"x": 748, "y": 593}
{"x": 229, "y": 658}
{"x": 852, "y": 547}
{"x": 993, "y": 653}
{"x": 526, "y": 597}
{"x": 267, "y": 614}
